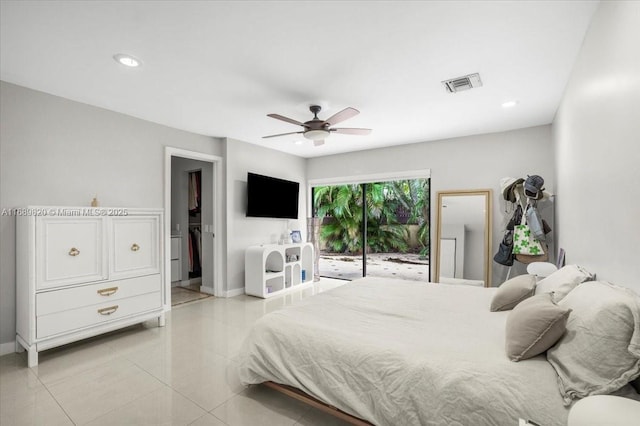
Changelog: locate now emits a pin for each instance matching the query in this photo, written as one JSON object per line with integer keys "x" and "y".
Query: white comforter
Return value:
{"x": 401, "y": 353}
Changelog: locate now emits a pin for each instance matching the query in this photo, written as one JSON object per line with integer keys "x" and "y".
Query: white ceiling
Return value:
{"x": 217, "y": 68}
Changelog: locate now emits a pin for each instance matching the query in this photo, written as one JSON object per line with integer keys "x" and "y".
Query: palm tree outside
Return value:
{"x": 397, "y": 216}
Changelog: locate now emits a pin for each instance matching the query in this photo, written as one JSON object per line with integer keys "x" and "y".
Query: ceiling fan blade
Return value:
{"x": 318, "y": 142}
{"x": 342, "y": 115}
{"x": 281, "y": 134}
{"x": 351, "y": 131}
{"x": 287, "y": 119}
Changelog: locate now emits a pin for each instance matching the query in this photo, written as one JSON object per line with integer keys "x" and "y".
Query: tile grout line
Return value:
{"x": 134, "y": 399}
{"x": 56, "y": 400}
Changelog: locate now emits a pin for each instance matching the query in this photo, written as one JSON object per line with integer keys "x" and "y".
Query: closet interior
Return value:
{"x": 191, "y": 229}
{"x": 195, "y": 225}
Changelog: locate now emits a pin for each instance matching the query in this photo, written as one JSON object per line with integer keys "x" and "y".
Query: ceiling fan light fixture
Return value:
{"x": 315, "y": 135}
{"x": 127, "y": 60}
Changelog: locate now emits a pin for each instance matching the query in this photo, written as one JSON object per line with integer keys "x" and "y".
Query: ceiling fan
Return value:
{"x": 317, "y": 130}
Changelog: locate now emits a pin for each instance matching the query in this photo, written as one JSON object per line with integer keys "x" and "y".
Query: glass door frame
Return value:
{"x": 363, "y": 180}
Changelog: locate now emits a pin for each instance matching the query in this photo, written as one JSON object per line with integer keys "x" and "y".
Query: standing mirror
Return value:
{"x": 463, "y": 237}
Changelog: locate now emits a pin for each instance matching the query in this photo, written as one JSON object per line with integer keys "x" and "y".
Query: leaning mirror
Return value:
{"x": 463, "y": 237}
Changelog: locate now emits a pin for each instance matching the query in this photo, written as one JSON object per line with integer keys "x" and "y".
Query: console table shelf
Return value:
{"x": 273, "y": 269}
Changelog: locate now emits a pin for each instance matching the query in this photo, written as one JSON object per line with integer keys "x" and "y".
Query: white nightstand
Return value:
{"x": 605, "y": 410}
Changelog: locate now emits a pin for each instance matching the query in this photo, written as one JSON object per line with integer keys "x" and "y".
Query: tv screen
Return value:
{"x": 271, "y": 197}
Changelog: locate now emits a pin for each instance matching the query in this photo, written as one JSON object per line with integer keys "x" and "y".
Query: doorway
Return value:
{"x": 377, "y": 229}
{"x": 192, "y": 218}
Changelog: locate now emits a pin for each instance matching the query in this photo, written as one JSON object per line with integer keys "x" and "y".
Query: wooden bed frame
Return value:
{"x": 307, "y": 399}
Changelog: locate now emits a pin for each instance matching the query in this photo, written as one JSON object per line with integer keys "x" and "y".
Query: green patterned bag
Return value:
{"x": 523, "y": 241}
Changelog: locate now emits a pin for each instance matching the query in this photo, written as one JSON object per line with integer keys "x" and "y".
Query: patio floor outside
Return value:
{"x": 389, "y": 265}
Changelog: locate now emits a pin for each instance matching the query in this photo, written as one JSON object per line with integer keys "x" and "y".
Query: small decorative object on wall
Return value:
{"x": 560, "y": 260}
{"x": 296, "y": 237}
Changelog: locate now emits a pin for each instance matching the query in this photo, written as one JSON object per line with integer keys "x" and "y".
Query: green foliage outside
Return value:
{"x": 342, "y": 204}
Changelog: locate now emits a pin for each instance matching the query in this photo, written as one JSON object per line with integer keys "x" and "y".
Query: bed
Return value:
{"x": 394, "y": 352}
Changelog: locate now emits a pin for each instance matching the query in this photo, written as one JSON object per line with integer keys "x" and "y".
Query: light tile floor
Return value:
{"x": 149, "y": 375}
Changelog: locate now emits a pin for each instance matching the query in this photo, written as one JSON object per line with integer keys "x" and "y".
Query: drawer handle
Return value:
{"x": 135, "y": 247}
{"x": 74, "y": 251}
{"x": 108, "y": 311}
{"x": 107, "y": 291}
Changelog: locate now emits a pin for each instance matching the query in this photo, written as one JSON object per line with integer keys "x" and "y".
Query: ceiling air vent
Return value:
{"x": 463, "y": 83}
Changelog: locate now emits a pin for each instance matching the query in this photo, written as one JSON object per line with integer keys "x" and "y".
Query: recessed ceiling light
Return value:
{"x": 509, "y": 104}
{"x": 127, "y": 60}
{"x": 298, "y": 142}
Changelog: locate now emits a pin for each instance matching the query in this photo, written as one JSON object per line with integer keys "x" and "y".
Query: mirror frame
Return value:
{"x": 487, "y": 229}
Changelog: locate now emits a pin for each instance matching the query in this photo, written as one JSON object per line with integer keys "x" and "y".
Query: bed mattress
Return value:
{"x": 396, "y": 352}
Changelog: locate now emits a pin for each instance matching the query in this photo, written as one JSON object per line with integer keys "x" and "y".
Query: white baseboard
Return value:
{"x": 234, "y": 292}
{"x": 207, "y": 290}
{"x": 186, "y": 283}
{"x": 7, "y": 348}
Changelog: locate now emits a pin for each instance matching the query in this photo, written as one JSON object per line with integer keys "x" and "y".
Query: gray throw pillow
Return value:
{"x": 600, "y": 353}
{"x": 512, "y": 292}
{"x": 534, "y": 326}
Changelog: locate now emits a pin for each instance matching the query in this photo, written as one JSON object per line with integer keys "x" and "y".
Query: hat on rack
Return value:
{"x": 508, "y": 185}
{"x": 533, "y": 187}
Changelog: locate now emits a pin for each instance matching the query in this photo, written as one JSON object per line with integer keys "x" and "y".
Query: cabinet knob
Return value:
{"x": 74, "y": 251}
{"x": 108, "y": 311}
{"x": 135, "y": 247}
{"x": 107, "y": 291}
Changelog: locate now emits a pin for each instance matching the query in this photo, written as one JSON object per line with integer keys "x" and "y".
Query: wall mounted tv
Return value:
{"x": 271, "y": 197}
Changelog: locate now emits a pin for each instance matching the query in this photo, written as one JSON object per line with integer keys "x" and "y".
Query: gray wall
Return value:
{"x": 597, "y": 147}
{"x": 242, "y": 231}
{"x": 471, "y": 162}
{"x": 59, "y": 152}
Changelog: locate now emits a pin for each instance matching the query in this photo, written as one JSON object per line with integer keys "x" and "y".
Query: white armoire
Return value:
{"x": 84, "y": 271}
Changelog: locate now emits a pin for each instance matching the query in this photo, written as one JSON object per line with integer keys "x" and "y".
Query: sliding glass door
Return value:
{"x": 398, "y": 230}
{"x": 340, "y": 207}
{"x": 374, "y": 229}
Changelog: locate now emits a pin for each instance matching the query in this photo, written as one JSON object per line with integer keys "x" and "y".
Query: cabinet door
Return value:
{"x": 176, "y": 248}
{"x": 176, "y": 270}
{"x": 135, "y": 247}
{"x": 69, "y": 251}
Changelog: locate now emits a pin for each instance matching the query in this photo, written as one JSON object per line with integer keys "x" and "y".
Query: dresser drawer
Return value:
{"x": 74, "y": 319}
{"x": 135, "y": 248}
{"x": 70, "y": 251}
{"x": 73, "y": 298}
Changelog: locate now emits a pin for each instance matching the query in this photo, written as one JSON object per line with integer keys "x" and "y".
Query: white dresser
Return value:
{"x": 85, "y": 271}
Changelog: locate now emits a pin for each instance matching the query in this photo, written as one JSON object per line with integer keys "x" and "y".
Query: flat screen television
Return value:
{"x": 271, "y": 197}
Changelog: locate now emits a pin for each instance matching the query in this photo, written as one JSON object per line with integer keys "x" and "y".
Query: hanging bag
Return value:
{"x": 515, "y": 219}
{"x": 528, "y": 258}
{"x": 504, "y": 255}
{"x": 535, "y": 223}
{"x": 523, "y": 240}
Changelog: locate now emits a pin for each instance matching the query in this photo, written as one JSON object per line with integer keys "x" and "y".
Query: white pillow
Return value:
{"x": 563, "y": 281}
{"x": 600, "y": 351}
